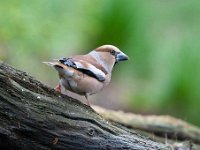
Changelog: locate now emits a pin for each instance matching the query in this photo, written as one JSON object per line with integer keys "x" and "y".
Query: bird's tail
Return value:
{"x": 55, "y": 64}
{"x": 52, "y": 64}
{"x": 61, "y": 68}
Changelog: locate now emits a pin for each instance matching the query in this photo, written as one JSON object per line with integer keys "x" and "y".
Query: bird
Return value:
{"x": 87, "y": 74}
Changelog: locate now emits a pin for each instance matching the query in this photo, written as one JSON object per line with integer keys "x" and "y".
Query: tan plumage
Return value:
{"x": 90, "y": 73}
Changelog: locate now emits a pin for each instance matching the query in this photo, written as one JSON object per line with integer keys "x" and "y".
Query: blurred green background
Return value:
{"x": 161, "y": 37}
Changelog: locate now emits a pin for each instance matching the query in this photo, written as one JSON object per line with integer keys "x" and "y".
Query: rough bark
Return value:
{"x": 34, "y": 116}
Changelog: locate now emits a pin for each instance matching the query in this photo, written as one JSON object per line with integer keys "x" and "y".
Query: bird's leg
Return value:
{"x": 87, "y": 101}
{"x": 58, "y": 88}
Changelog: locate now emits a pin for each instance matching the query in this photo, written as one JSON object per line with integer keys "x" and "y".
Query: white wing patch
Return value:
{"x": 87, "y": 66}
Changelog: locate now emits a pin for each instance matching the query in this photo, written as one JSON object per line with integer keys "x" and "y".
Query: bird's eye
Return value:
{"x": 112, "y": 52}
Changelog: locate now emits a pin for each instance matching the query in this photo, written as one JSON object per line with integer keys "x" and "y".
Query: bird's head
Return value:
{"x": 108, "y": 56}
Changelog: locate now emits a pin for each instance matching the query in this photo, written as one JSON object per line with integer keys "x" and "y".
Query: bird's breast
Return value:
{"x": 84, "y": 84}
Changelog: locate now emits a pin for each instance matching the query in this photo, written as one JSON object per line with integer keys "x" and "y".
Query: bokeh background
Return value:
{"x": 161, "y": 37}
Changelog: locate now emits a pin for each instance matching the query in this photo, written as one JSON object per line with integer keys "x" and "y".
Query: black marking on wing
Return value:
{"x": 91, "y": 74}
{"x": 69, "y": 62}
{"x": 59, "y": 66}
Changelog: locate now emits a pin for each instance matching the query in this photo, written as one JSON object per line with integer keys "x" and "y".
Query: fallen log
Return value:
{"x": 165, "y": 129}
{"x": 34, "y": 116}
{"x": 162, "y": 126}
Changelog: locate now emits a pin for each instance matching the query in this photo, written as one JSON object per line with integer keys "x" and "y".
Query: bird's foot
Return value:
{"x": 58, "y": 88}
{"x": 87, "y": 101}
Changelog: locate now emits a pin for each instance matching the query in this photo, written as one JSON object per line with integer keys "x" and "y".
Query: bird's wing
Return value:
{"x": 89, "y": 59}
{"x": 84, "y": 66}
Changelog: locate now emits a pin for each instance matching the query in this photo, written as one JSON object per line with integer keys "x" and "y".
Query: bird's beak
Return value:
{"x": 121, "y": 57}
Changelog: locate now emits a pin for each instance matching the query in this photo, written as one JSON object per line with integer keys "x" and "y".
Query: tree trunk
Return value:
{"x": 34, "y": 116}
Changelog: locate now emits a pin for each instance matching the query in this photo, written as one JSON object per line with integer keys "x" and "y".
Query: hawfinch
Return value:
{"x": 90, "y": 73}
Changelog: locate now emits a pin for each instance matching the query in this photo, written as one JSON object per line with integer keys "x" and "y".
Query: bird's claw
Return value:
{"x": 58, "y": 88}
